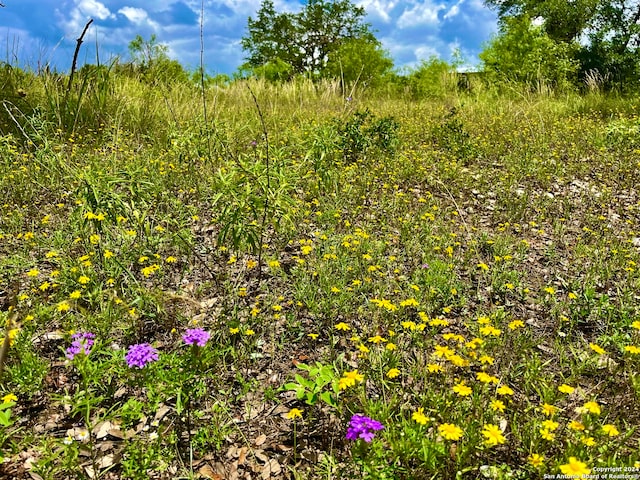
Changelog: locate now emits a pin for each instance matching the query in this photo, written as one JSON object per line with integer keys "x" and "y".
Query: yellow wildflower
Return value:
{"x": 549, "y": 409}
{"x": 497, "y": 405}
{"x": 516, "y": 324}
{"x": 462, "y": 389}
{"x": 575, "y": 468}
{"x": 535, "y": 460}
{"x": 493, "y": 435}
{"x": 592, "y": 407}
{"x": 576, "y": 425}
{"x": 393, "y": 373}
{"x": 63, "y": 307}
{"x": 450, "y": 431}
{"x": 484, "y": 377}
{"x": 610, "y": 430}
{"x": 504, "y": 390}
{"x": 547, "y": 435}
{"x": 294, "y": 413}
{"x": 9, "y": 397}
{"x": 349, "y": 379}
{"x": 420, "y": 417}
{"x": 564, "y": 388}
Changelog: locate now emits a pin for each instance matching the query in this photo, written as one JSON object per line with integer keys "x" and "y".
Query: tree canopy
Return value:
{"x": 151, "y": 59}
{"x": 314, "y": 41}
{"x": 601, "y": 36}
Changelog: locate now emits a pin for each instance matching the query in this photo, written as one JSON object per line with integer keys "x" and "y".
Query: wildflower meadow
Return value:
{"x": 295, "y": 282}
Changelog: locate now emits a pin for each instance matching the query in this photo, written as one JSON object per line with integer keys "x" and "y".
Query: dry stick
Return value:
{"x": 75, "y": 54}
{"x": 73, "y": 70}
{"x": 202, "y": 89}
{"x": 266, "y": 196}
{"x": 4, "y": 104}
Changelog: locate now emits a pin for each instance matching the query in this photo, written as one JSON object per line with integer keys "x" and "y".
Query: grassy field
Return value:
{"x": 303, "y": 285}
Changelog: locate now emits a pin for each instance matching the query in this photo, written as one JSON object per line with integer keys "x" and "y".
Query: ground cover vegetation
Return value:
{"x": 432, "y": 277}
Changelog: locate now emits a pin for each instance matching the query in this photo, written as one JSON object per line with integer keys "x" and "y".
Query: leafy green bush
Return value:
{"x": 433, "y": 78}
{"x": 524, "y": 54}
{"x": 363, "y": 135}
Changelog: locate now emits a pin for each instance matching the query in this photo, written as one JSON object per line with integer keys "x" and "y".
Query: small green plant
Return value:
{"x": 321, "y": 384}
{"x": 6, "y": 422}
{"x": 364, "y": 134}
{"x": 5, "y": 414}
{"x": 452, "y": 137}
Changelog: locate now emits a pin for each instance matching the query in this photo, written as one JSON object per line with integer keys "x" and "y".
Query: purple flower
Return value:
{"x": 141, "y": 354}
{"x": 82, "y": 343}
{"x": 196, "y": 336}
{"x": 363, "y": 427}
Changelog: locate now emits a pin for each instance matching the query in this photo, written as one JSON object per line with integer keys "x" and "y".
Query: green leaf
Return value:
{"x": 305, "y": 382}
{"x": 327, "y": 398}
{"x": 5, "y": 418}
{"x": 312, "y": 398}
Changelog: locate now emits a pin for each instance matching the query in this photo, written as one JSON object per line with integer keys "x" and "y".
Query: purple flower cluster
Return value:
{"x": 141, "y": 354}
{"x": 363, "y": 427}
{"x": 82, "y": 343}
{"x": 196, "y": 336}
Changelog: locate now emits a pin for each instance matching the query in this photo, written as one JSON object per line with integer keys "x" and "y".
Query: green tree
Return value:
{"x": 613, "y": 49}
{"x": 144, "y": 53}
{"x": 359, "y": 60}
{"x": 271, "y": 36}
{"x": 608, "y": 32}
{"x": 150, "y": 59}
{"x": 306, "y": 40}
{"x": 432, "y": 78}
{"x": 523, "y": 52}
{"x": 563, "y": 20}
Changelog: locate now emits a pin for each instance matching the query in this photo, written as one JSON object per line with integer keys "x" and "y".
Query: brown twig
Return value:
{"x": 75, "y": 54}
{"x": 202, "y": 85}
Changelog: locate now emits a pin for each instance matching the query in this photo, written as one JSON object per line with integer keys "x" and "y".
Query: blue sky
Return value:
{"x": 37, "y": 32}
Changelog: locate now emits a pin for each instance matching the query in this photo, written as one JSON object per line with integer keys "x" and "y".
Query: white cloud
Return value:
{"x": 92, "y": 8}
{"x": 72, "y": 23}
{"x": 454, "y": 10}
{"x": 378, "y": 8}
{"x": 424, "y": 13}
{"x": 134, "y": 15}
{"x": 425, "y": 52}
